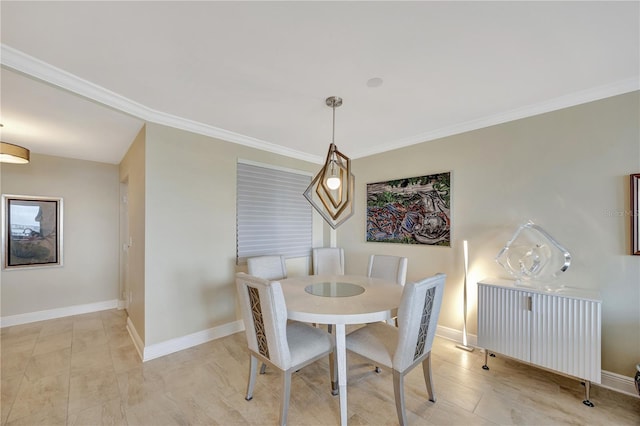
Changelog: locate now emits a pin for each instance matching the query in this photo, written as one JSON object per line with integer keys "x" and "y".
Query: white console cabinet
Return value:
{"x": 559, "y": 330}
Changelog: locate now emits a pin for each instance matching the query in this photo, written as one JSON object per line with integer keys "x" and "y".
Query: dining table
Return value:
{"x": 340, "y": 300}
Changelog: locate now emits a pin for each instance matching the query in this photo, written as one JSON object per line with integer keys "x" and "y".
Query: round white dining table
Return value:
{"x": 339, "y": 300}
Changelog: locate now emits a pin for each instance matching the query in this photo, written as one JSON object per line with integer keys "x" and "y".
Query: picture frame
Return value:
{"x": 31, "y": 231}
{"x": 634, "y": 203}
{"x": 414, "y": 210}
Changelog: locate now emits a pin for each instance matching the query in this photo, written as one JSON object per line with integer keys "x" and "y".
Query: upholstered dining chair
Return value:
{"x": 270, "y": 267}
{"x": 267, "y": 267}
{"x": 285, "y": 345}
{"x": 390, "y": 268}
{"x": 328, "y": 261}
{"x": 402, "y": 348}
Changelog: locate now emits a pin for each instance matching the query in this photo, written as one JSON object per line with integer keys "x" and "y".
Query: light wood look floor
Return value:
{"x": 84, "y": 370}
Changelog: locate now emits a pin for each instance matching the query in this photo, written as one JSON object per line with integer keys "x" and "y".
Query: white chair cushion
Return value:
{"x": 390, "y": 268}
{"x": 376, "y": 341}
{"x": 267, "y": 267}
{"x": 328, "y": 261}
{"x": 306, "y": 342}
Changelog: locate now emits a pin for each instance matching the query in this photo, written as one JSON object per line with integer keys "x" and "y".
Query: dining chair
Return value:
{"x": 285, "y": 345}
{"x": 271, "y": 267}
{"x": 328, "y": 261}
{"x": 390, "y": 268}
{"x": 402, "y": 348}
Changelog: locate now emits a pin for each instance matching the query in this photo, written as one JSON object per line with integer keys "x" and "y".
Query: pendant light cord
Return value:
{"x": 333, "y": 131}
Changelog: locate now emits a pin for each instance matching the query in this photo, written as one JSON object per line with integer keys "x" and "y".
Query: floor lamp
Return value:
{"x": 464, "y": 344}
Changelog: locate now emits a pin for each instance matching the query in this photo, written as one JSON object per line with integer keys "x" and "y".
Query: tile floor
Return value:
{"x": 84, "y": 370}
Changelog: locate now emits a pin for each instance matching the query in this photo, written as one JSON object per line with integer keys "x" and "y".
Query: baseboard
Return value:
{"x": 135, "y": 337}
{"x": 180, "y": 343}
{"x": 30, "y": 317}
{"x": 609, "y": 380}
{"x": 456, "y": 335}
{"x": 618, "y": 383}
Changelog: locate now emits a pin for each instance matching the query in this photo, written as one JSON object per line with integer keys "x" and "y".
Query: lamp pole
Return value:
{"x": 464, "y": 344}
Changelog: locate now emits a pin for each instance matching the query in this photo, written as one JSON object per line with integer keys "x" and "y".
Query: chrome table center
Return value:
{"x": 340, "y": 300}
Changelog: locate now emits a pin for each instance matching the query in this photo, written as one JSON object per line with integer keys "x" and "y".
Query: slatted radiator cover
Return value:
{"x": 561, "y": 332}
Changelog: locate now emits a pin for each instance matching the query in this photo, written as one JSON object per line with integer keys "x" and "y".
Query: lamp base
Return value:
{"x": 466, "y": 348}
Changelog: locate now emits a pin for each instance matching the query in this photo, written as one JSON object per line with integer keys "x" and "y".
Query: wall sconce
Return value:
{"x": 331, "y": 191}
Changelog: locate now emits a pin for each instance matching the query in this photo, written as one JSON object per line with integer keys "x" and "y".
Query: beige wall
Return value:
{"x": 190, "y": 245}
{"x": 567, "y": 171}
{"x": 132, "y": 176}
{"x": 90, "y": 238}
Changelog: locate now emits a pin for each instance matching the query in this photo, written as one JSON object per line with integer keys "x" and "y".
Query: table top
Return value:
{"x": 372, "y": 305}
{"x": 553, "y": 289}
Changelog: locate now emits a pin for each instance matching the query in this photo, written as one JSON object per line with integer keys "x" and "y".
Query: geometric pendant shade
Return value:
{"x": 332, "y": 190}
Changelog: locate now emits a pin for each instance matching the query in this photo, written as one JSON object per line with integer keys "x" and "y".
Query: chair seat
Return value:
{"x": 376, "y": 342}
{"x": 306, "y": 342}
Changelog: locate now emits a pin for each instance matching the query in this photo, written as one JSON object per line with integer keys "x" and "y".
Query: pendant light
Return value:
{"x": 332, "y": 189}
{"x": 10, "y": 153}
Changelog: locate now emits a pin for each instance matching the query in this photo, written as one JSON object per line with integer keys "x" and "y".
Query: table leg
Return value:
{"x": 341, "y": 360}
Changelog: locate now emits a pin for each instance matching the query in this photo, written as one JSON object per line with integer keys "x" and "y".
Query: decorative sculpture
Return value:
{"x": 532, "y": 255}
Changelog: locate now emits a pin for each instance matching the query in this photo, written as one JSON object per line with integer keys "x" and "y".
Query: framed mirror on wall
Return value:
{"x": 635, "y": 213}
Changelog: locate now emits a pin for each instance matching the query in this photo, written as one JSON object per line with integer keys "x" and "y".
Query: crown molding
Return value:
{"x": 21, "y": 62}
{"x": 566, "y": 101}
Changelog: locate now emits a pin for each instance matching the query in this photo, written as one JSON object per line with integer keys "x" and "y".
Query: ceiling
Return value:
{"x": 79, "y": 79}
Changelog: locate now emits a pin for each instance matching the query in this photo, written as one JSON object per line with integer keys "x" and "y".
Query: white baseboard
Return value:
{"x": 135, "y": 337}
{"x": 180, "y": 343}
{"x": 609, "y": 380}
{"x": 57, "y": 313}
{"x": 618, "y": 383}
{"x": 456, "y": 335}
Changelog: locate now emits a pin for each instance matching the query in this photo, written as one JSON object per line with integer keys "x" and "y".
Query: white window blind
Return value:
{"x": 273, "y": 217}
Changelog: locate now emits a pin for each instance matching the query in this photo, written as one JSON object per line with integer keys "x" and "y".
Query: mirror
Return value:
{"x": 635, "y": 213}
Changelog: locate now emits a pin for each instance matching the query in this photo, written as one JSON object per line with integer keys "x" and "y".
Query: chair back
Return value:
{"x": 390, "y": 268}
{"x": 328, "y": 261}
{"x": 267, "y": 267}
{"x": 264, "y": 313}
{"x": 417, "y": 320}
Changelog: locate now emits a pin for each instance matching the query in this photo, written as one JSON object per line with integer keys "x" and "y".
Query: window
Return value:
{"x": 273, "y": 217}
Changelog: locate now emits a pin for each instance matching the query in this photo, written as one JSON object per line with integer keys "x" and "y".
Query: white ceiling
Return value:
{"x": 258, "y": 73}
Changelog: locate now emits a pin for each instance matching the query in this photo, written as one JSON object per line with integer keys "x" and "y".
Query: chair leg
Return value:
{"x": 286, "y": 393}
{"x": 398, "y": 391}
{"x": 253, "y": 367}
{"x": 333, "y": 371}
{"x": 428, "y": 379}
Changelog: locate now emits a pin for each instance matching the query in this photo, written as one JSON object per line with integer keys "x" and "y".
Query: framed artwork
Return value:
{"x": 410, "y": 211}
{"x": 31, "y": 231}
{"x": 634, "y": 203}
